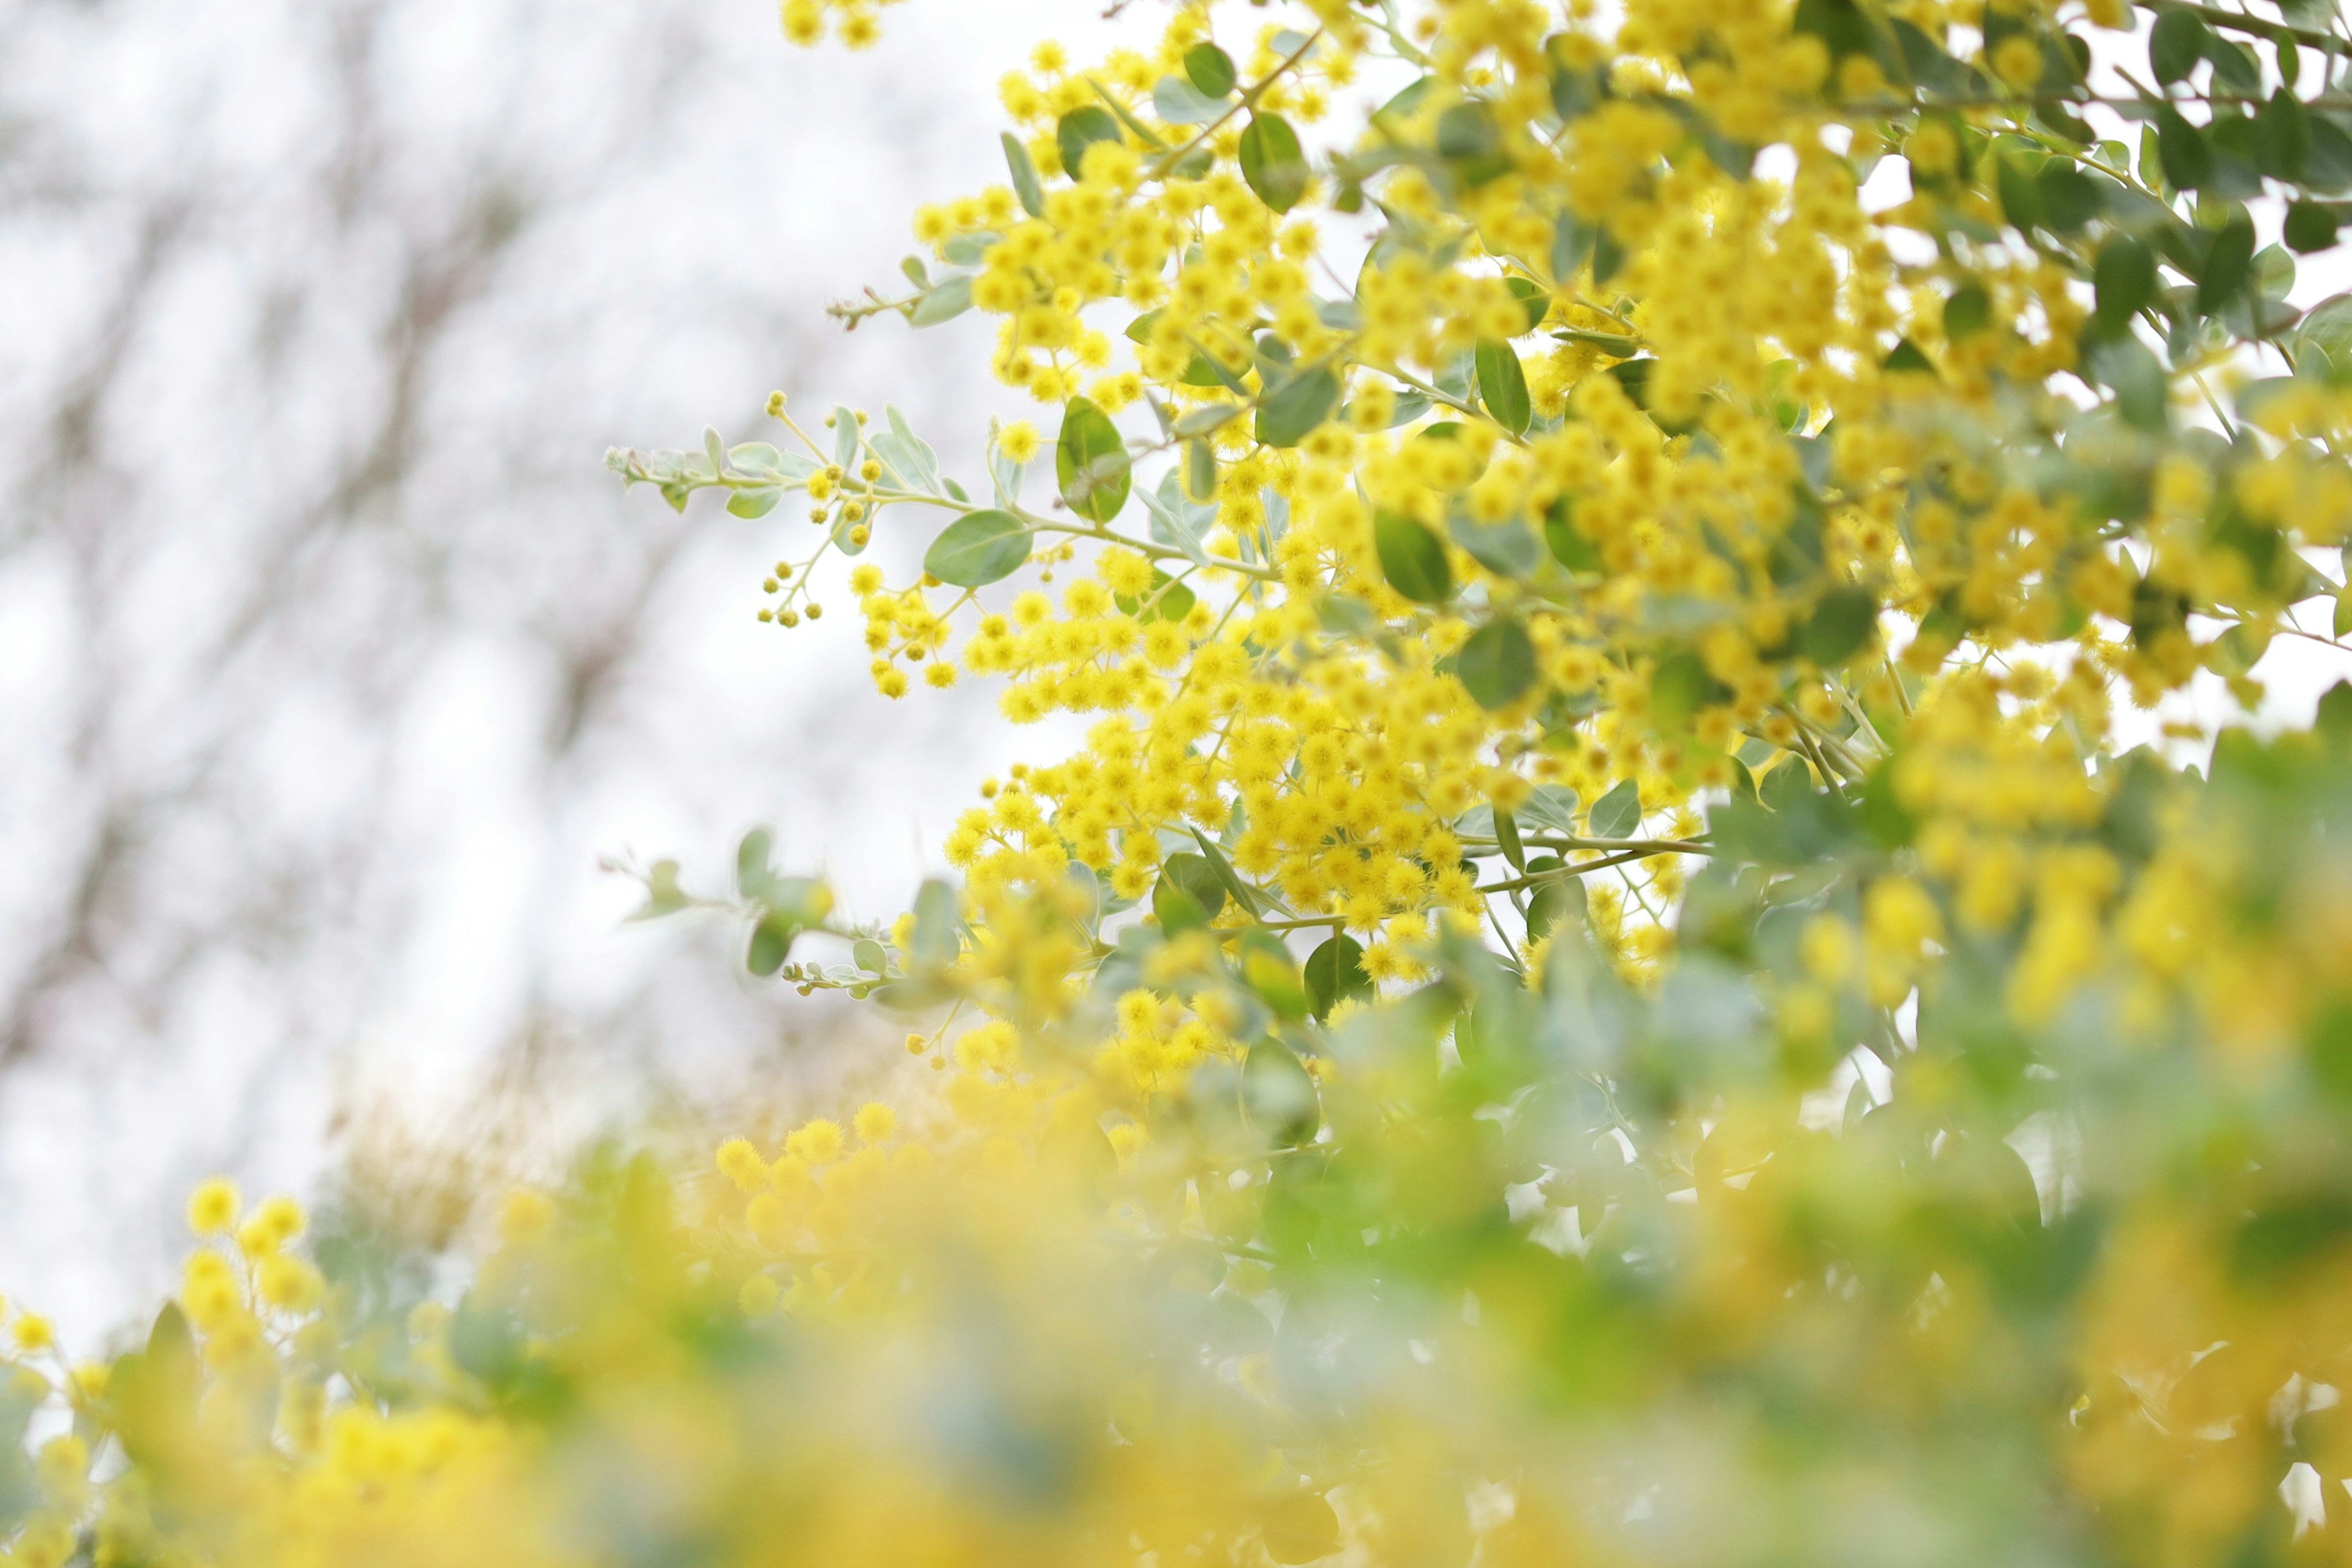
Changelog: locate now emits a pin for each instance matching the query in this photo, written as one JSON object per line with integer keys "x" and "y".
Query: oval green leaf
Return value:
{"x": 1503, "y": 385}
{"x": 1279, "y": 1097}
{"x": 1269, "y": 970}
{"x": 2124, "y": 279}
{"x": 1211, "y": 69}
{"x": 1080, "y": 129}
{"x": 979, "y": 548}
{"x": 1412, "y": 559}
{"x": 1497, "y": 664}
{"x": 1091, "y": 461}
{"x": 1335, "y": 972}
{"x": 1618, "y": 812}
{"x": 1025, "y": 183}
{"x": 1273, "y": 162}
{"x": 1295, "y": 407}
{"x": 1843, "y": 623}
{"x": 772, "y": 944}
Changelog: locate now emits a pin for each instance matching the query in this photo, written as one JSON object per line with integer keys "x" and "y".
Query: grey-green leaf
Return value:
{"x": 949, "y": 300}
{"x": 936, "y": 943}
{"x": 979, "y": 548}
{"x": 1179, "y": 102}
{"x": 1297, "y": 406}
{"x": 1618, "y": 812}
{"x": 1552, "y": 806}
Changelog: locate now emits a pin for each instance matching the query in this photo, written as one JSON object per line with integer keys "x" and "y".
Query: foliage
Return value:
{"x": 1602, "y": 988}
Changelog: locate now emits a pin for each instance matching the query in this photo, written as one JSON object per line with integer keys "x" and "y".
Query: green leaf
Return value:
{"x": 2176, "y": 44}
{"x": 1091, "y": 461}
{"x": 1279, "y": 1097}
{"x": 2132, "y": 369}
{"x": 1679, "y": 688}
{"x": 1025, "y": 183}
{"x": 1227, "y": 877}
{"x": 1551, "y": 807}
{"x": 2281, "y": 136}
{"x": 2343, "y": 613}
{"x": 2235, "y": 68}
{"x": 1169, "y": 599}
{"x": 755, "y": 503}
{"x": 1618, "y": 812}
{"x": 1497, "y": 664}
{"x": 1273, "y": 163}
{"x": 2228, "y": 264}
{"x": 1470, "y": 139}
{"x": 2187, "y": 156}
{"x": 870, "y": 956}
{"x": 1567, "y": 546}
{"x": 2310, "y": 226}
{"x": 979, "y": 548}
{"x": 949, "y": 300}
{"x": 1507, "y": 549}
{"x": 936, "y": 943}
{"x": 1534, "y": 298}
{"x": 2273, "y": 272}
{"x": 1080, "y": 129}
{"x": 1211, "y": 69}
{"x": 1296, "y": 406}
{"x": 753, "y": 875}
{"x": 1503, "y": 385}
{"x": 1179, "y": 102}
{"x": 1187, "y": 894}
{"x": 2020, "y": 194}
{"x": 1841, "y": 624}
{"x": 1553, "y": 902}
{"x": 2069, "y": 197}
{"x": 2124, "y": 278}
{"x": 1907, "y": 359}
{"x": 1199, "y": 471}
{"x": 772, "y": 944}
{"x": 2326, "y": 333}
{"x": 1269, "y": 970}
{"x": 1412, "y": 558}
{"x": 1335, "y": 972}
{"x": 1967, "y": 311}
{"x": 847, "y": 434}
{"x": 1506, "y": 839}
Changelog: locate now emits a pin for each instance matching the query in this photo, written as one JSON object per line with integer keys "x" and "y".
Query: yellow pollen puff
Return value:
{"x": 740, "y": 1164}
{"x": 816, "y": 1142}
{"x": 214, "y": 1206}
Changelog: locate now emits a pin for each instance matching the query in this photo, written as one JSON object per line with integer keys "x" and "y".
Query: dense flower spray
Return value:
{"x": 1602, "y": 988}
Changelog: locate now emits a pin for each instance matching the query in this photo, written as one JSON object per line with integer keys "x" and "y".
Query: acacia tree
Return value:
{"x": 1600, "y": 987}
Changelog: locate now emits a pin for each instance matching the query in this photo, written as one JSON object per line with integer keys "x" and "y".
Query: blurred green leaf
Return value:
{"x": 1412, "y": 558}
{"x": 1272, "y": 162}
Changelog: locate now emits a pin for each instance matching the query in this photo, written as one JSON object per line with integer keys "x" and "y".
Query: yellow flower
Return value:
{"x": 1018, "y": 441}
{"x": 214, "y": 1206}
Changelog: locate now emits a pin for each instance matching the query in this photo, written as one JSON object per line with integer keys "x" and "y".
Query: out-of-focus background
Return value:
{"x": 332, "y": 660}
